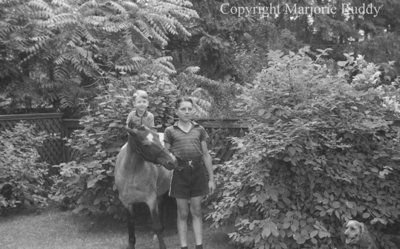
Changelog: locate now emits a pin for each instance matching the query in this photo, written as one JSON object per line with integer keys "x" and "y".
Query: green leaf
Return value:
{"x": 335, "y": 204}
{"x": 92, "y": 182}
{"x": 313, "y": 233}
{"x": 261, "y": 112}
{"x": 366, "y": 215}
{"x": 323, "y": 234}
{"x": 266, "y": 231}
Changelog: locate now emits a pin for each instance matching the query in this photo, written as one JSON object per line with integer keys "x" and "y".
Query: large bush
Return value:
{"x": 22, "y": 175}
{"x": 319, "y": 151}
{"x": 87, "y": 183}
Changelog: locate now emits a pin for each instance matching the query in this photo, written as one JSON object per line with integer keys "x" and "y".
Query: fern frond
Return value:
{"x": 184, "y": 13}
{"x": 183, "y": 3}
{"x": 166, "y": 23}
{"x": 166, "y": 60}
{"x": 129, "y": 5}
{"x": 138, "y": 61}
{"x": 193, "y": 70}
{"x": 27, "y": 58}
{"x": 39, "y": 5}
{"x": 61, "y": 3}
{"x": 41, "y": 14}
{"x": 126, "y": 68}
{"x": 63, "y": 19}
{"x": 39, "y": 38}
{"x": 95, "y": 20}
{"x": 182, "y": 29}
{"x": 116, "y": 27}
{"x": 77, "y": 64}
{"x": 176, "y": 10}
{"x": 36, "y": 47}
{"x": 87, "y": 55}
{"x": 60, "y": 60}
{"x": 159, "y": 36}
{"x": 92, "y": 4}
{"x": 61, "y": 72}
{"x": 144, "y": 28}
{"x": 160, "y": 65}
{"x": 7, "y": 28}
{"x": 129, "y": 42}
{"x": 84, "y": 34}
{"x": 143, "y": 33}
{"x": 116, "y": 7}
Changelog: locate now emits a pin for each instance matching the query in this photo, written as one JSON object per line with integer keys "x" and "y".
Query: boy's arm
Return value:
{"x": 167, "y": 142}
{"x": 208, "y": 162}
{"x": 151, "y": 120}
{"x": 168, "y": 146}
{"x": 128, "y": 119}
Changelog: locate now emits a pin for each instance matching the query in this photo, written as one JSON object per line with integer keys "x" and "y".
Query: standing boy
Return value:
{"x": 187, "y": 141}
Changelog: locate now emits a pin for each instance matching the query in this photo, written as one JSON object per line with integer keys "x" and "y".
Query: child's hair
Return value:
{"x": 182, "y": 99}
{"x": 141, "y": 94}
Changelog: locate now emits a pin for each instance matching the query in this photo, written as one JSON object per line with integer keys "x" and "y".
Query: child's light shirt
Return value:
{"x": 147, "y": 119}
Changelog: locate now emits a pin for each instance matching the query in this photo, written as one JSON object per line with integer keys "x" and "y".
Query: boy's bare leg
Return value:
{"x": 197, "y": 219}
{"x": 183, "y": 212}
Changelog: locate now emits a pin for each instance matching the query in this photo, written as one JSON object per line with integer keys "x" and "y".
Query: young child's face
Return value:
{"x": 141, "y": 103}
{"x": 185, "y": 111}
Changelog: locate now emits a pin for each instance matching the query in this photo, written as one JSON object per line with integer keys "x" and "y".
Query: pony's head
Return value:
{"x": 148, "y": 145}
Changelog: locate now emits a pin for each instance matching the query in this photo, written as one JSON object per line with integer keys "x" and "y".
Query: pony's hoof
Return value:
{"x": 130, "y": 247}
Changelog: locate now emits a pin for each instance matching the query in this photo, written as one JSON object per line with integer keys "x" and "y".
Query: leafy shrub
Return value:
{"x": 319, "y": 151}
{"x": 87, "y": 183}
{"x": 211, "y": 98}
{"x": 22, "y": 175}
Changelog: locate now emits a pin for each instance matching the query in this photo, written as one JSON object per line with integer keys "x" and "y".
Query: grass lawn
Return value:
{"x": 54, "y": 229}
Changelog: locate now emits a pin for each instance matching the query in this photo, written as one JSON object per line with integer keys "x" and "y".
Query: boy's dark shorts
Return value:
{"x": 191, "y": 181}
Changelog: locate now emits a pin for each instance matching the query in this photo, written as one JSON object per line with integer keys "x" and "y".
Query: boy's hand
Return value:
{"x": 178, "y": 167}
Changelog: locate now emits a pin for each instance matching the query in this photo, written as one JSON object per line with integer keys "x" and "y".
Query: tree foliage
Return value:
{"x": 57, "y": 48}
{"x": 319, "y": 151}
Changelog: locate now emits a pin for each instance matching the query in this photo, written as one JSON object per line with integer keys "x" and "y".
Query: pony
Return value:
{"x": 139, "y": 179}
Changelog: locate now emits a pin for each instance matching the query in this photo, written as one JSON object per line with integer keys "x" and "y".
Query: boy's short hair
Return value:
{"x": 140, "y": 94}
{"x": 183, "y": 99}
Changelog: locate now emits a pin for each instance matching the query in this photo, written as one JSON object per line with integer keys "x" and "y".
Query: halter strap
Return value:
{"x": 140, "y": 151}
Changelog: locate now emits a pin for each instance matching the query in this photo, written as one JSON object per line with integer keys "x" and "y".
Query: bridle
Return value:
{"x": 139, "y": 150}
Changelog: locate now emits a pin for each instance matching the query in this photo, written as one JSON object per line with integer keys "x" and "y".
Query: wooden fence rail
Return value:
{"x": 54, "y": 150}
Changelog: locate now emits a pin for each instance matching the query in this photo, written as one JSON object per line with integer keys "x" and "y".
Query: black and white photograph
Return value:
{"x": 199, "y": 124}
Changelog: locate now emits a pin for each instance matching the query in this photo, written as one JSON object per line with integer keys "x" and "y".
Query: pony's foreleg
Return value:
{"x": 157, "y": 226}
{"x": 161, "y": 209}
{"x": 131, "y": 228}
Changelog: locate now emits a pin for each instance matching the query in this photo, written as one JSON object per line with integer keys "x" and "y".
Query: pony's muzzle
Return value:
{"x": 171, "y": 164}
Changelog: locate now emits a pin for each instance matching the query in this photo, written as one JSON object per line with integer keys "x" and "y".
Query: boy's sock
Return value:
{"x": 199, "y": 246}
